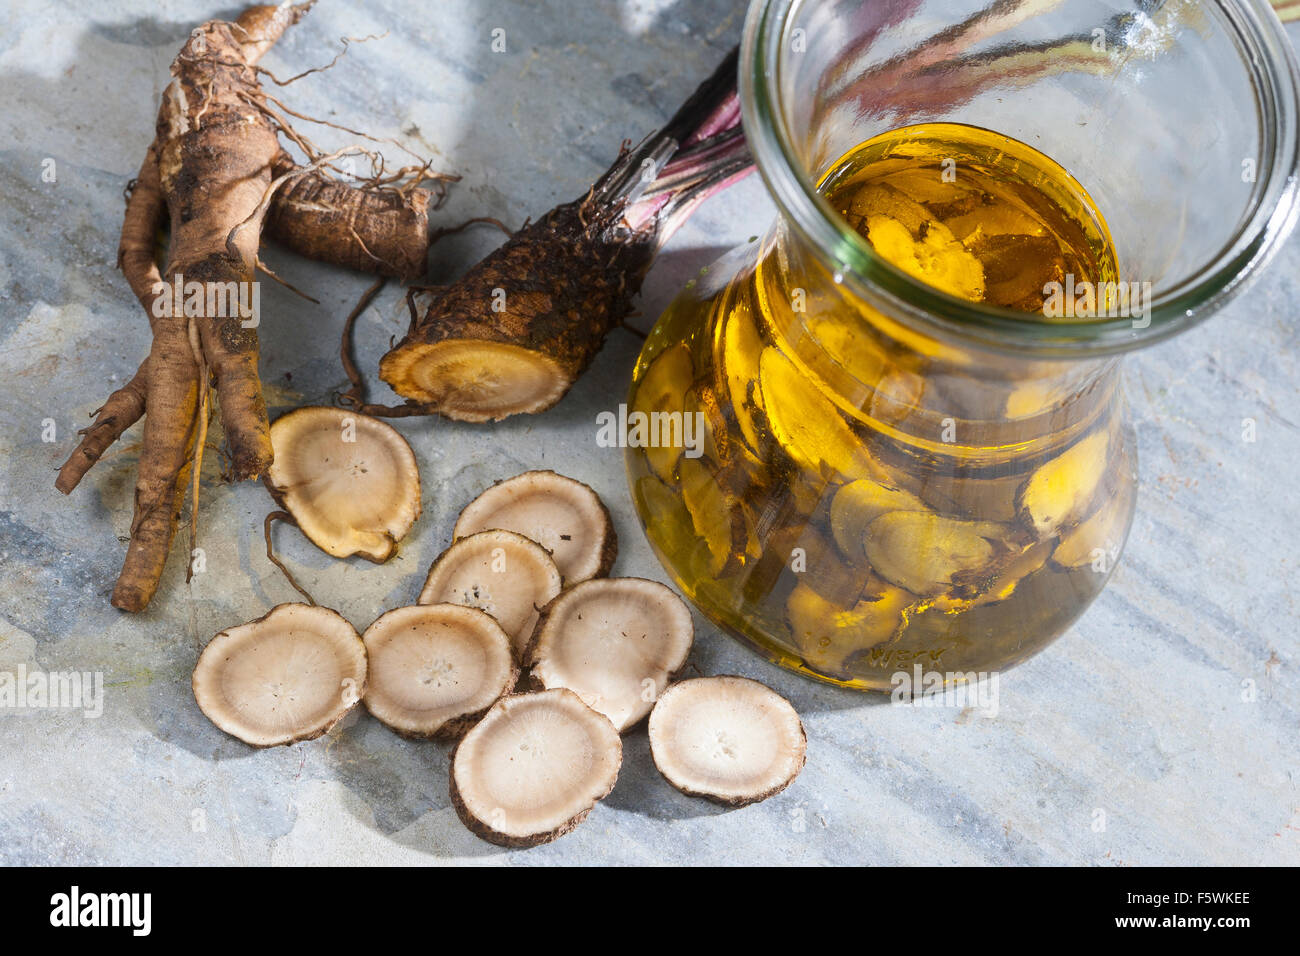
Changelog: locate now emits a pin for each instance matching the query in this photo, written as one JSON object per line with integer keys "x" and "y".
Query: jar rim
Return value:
{"x": 1275, "y": 205}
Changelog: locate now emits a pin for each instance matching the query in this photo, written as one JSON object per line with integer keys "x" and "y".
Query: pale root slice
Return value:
{"x": 1060, "y": 492}
{"x": 503, "y": 573}
{"x": 533, "y": 768}
{"x": 435, "y": 669}
{"x": 288, "y": 676}
{"x": 615, "y": 642}
{"x": 564, "y": 516}
{"x": 474, "y": 380}
{"x": 350, "y": 481}
{"x": 929, "y": 554}
{"x": 729, "y": 739}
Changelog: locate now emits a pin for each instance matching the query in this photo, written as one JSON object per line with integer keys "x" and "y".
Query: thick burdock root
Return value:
{"x": 213, "y": 173}
{"x": 514, "y": 333}
{"x": 518, "y": 329}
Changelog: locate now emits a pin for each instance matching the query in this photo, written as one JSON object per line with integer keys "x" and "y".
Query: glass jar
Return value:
{"x": 885, "y": 475}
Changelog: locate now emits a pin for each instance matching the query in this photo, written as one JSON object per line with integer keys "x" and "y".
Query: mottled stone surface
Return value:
{"x": 1141, "y": 713}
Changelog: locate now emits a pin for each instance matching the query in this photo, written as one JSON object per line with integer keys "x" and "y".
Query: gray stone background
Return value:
{"x": 1141, "y": 713}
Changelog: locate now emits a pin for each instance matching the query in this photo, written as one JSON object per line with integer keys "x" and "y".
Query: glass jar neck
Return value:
{"x": 779, "y": 49}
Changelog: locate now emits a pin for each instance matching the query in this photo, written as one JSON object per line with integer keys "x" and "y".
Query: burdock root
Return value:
{"x": 216, "y": 174}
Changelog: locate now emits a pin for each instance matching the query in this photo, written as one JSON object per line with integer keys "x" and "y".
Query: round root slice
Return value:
{"x": 505, "y": 574}
{"x": 615, "y": 642}
{"x": 732, "y": 740}
{"x": 533, "y": 768}
{"x": 564, "y": 516}
{"x": 475, "y": 380}
{"x": 434, "y": 669}
{"x": 350, "y": 481}
{"x": 288, "y": 676}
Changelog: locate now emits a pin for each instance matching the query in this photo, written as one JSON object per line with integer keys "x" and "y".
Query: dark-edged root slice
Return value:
{"x": 533, "y": 768}
{"x": 503, "y": 573}
{"x": 615, "y": 642}
{"x": 436, "y": 668}
{"x": 290, "y": 675}
{"x": 475, "y": 380}
{"x": 350, "y": 481}
{"x": 729, "y": 739}
{"x": 564, "y": 516}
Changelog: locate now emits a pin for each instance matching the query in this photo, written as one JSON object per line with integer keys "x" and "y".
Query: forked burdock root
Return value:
{"x": 217, "y": 174}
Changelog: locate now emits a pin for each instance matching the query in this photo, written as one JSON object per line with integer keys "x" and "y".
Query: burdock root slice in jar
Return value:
{"x": 829, "y": 635}
{"x": 500, "y": 572}
{"x": 288, "y": 676}
{"x": 1059, "y": 493}
{"x": 931, "y": 555}
{"x": 807, "y": 426}
{"x": 729, "y": 739}
{"x": 861, "y": 502}
{"x": 533, "y": 768}
{"x": 564, "y": 516}
{"x": 717, "y": 517}
{"x": 737, "y": 358}
{"x": 1095, "y": 540}
{"x": 660, "y": 390}
{"x": 435, "y": 669}
{"x": 615, "y": 642}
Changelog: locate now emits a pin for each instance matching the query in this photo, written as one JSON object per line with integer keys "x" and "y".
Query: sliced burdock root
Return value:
{"x": 564, "y": 516}
{"x": 717, "y": 516}
{"x": 729, "y": 739}
{"x": 662, "y": 389}
{"x": 615, "y": 642}
{"x": 861, "y": 502}
{"x": 436, "y": 668}
{"x": 827, "y": 635}
{"x": 1014, "y": 568}
{"x": 1097, "y": 539}
{"x": 288, "y": 676}
{"x": 737, "y": 350}
{"x": 350, "y": 481}
{"x": 533, "y": 768}
{"x": 503, "y": 573}
{"x": 1060, "y": 492}
{"x": 808, "y": 426}
{"x": 929, "y": 554}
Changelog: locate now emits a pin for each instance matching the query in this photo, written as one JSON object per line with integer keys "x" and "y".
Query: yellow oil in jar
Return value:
{"x": 867, "y": 498}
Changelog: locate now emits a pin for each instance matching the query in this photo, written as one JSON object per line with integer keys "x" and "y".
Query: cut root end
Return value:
{"x": 472, "y": 380}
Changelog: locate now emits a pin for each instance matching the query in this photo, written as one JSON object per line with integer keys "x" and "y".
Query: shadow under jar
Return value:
{"x": 915, "y": 447}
